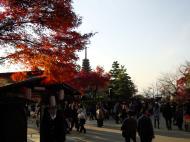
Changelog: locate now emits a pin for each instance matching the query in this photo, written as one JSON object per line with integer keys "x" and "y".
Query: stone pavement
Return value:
{"x": 111, "y": 132}
{"x": 161, "y": 135}
{"x": 34, "y": 136}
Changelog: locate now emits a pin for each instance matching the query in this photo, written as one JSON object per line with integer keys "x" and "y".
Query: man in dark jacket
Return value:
{"x": 129, "y": 127}
{"x": 145, "y": 128}
{"x": 167, "y": 114}
{"x": 53, "y": 127}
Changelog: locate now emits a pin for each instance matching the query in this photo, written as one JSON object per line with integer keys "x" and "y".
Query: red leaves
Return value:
{"x": 21, "y": 46}
{"x": 19, "y": 76}
{"x": 182, "y": 85}
{"x": 2, "y": 15}
{"x": 181, "y": 81}
{"x": 43, "y": 33}
{"x": 58, "y": 74}
{"x": 96, "y": 79}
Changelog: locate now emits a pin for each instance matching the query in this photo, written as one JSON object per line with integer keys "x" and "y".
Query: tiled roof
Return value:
{"x": 32, "y": 79}
{"x": 5, "y": 78}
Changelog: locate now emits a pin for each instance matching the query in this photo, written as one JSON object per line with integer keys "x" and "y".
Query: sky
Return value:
{"x": 149, "y": 37}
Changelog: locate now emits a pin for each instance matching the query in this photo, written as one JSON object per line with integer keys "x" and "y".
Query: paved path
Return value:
{"x": 111, "y": 133}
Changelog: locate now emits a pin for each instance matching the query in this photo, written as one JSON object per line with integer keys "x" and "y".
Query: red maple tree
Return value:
{"x": 183, "y": 84}
{"x": 91, "y": 80}
{"x": 42, "y": 34}
{"x": 19, "y": 76}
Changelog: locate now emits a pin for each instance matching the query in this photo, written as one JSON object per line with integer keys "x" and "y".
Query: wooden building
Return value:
{"x": 16, "y": 95}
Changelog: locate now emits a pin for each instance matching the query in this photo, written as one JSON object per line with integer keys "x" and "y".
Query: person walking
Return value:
{"x": 74, "y": 120}
{"x": 167, "y": 114}
{"x": 53, "y": 125}
{"x": 82, "y": 119}
{"x": 99, "y": 116}
{"x": 116, "y": 111}
{"x": 124, "y": 110}
{"x": 156, "y": 113}
{"x": 129, "y": 127}
{"x": 145, "y": 128}
{"x": 179, "y": 117}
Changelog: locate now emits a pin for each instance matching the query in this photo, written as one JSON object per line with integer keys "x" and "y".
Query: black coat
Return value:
{"x": 53, "y": 130}
{"x": 129, "y": 127}
{"x": 167, "y": 111}
{"x": 145, "y": 128}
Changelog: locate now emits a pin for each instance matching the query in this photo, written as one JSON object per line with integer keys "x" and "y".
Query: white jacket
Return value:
{"x": 82, "y": 115}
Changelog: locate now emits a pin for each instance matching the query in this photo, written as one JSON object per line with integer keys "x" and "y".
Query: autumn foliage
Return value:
{"x": 42, "y": 34}
{"x": 90, "y": 80}
{"x": 183, "y": 84}
{"x": 19, "y": 76}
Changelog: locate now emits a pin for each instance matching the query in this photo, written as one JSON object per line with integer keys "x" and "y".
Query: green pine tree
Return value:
{"x": 121, "y": 83}
{"x": 115, "y": 70}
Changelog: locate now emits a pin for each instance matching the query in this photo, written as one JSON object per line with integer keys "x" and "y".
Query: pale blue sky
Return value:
{"x": 149, "y": 37}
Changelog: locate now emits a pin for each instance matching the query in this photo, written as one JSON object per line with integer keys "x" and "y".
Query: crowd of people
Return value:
{"x": 136, "y": 116}
{"x": 172, "y": 112}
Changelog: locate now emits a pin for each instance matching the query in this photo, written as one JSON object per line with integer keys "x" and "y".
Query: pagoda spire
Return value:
{"x": 86, "y": 63}
{"x": 85, "y": 53}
